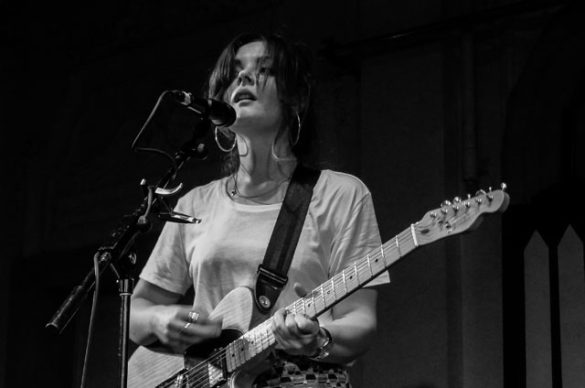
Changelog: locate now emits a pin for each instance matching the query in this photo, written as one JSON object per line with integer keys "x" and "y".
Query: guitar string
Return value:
{"x": 199, "y": 373}
{"x": 202, "y": 376}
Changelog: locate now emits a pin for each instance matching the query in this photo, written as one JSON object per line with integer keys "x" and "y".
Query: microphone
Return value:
{"x": 218, "y": 112}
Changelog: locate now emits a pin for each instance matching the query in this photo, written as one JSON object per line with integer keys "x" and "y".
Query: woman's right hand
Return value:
{"x": 179, "y": 326}
{"x": 155, "y": 315}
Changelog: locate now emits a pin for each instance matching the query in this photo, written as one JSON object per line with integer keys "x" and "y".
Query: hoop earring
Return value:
{"x": 296, "y": 141}
{"x": 273, "y": 151}
{"x": 219, "y": 143}
{"x": 278, "y": 158}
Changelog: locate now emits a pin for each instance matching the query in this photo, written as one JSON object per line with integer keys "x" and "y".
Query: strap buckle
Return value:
{"x": 275, "y": 278}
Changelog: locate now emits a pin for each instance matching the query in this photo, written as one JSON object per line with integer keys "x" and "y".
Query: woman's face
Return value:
{"x": 253, "y": 92}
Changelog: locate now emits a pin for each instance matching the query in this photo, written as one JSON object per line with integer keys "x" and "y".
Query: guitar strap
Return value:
{"x": 272, "y": 273}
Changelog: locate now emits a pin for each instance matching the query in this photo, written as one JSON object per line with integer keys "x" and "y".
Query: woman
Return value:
{"x": 267, "y": 81}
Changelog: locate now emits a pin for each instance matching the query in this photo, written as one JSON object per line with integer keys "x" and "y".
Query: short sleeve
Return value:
{"x": 167, "y": 266}
{"x": 358, "y": 236}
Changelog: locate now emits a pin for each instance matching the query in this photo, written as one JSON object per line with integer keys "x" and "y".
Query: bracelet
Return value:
{"x": 323, "y": 350}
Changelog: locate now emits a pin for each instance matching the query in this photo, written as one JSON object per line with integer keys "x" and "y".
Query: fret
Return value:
{"x": 310, "y": 305}
{"x": 270, "y": 340}
{"x": 353, "y": 281}
{"x": 266, "y": 331}
{"x": 233, "y": 356}
{"x": 244, "y": 349}
{"x": 412, "y": 232}
{"x": 369, "y": 265}
{"x": 250, "y": 342}
{"x": 360, "y": 268}
{"x": 300, "y": 306}
{"x": 397, "y": 246}
{"x": 328, "y": 296}
{"x": 377, "y": 265}
{"x": 357, "y": 272}
{"x": 240, "y": 356}
{"x": 228, "y": 359}
{"x": 383, "y": 255}
{"x": 322, "y": 292}
{"x": 256, "y": 345}
{"x": 351, "y": 278}
{"x": 344, "y": 282}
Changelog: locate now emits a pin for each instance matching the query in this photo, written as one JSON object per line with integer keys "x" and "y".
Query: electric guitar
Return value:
{"x": 238, "y": 355}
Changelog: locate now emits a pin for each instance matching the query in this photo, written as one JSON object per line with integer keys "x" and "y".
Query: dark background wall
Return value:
{"x": 424, "y": 100}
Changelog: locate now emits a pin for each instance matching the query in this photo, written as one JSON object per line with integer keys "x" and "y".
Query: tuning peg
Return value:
{"x": 503, "y": 186}
{"x": 446, "y": 203}
{"x": 444, "y": 211}
{"x": 480, "y": 192}
{"x": 489, "y": 195}
{"x": 433, "y": 215}
{"x": 467, "y": 204}
{"x": 457, "y": 199}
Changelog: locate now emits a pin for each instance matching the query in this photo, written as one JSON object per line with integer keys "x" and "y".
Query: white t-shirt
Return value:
{"x": 224, "y": 250}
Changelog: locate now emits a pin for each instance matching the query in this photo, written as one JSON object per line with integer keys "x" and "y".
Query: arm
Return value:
{"x": 154, "y": 315}
{"x": 352, "y": 329}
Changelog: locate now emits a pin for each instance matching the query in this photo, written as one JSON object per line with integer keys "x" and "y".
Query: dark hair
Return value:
{"x": 291, "y": 66}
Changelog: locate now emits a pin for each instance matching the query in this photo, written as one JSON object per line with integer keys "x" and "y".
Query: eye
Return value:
{"x": 265, "y": 71}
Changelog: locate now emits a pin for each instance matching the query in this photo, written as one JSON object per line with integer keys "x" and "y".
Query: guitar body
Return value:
{"x": 149, "y": 368}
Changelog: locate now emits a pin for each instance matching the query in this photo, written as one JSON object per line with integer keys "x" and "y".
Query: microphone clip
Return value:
{"x": 159, "y": 194}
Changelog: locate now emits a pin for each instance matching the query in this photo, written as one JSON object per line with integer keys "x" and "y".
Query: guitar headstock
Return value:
{"x": 460, "y": 215}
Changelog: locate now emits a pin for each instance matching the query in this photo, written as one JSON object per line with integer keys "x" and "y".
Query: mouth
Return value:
{"x": 243, "y": 95}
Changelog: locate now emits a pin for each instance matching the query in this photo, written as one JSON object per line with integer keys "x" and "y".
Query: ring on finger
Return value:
{"x": 193, "y": 316}
{"x": 186, "y": 326}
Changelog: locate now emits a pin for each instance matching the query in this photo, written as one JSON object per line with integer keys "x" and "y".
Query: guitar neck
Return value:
{"x": 325, "y": 296}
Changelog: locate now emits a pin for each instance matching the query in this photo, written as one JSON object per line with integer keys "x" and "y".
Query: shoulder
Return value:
{"x": 340, "y": 184}
{"x": 340, "y": 190}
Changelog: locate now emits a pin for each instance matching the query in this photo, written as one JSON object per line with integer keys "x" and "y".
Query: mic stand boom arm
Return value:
{"x": 116, "y": 252}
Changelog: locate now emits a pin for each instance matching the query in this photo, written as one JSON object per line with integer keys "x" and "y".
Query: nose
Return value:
{"x": 245, "y": 77}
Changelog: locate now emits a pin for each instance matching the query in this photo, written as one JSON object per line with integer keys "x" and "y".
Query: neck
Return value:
{"x": 258, "y": 163}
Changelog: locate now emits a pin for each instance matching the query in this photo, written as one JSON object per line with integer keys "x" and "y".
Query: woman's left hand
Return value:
{"x": 296, "y": 334}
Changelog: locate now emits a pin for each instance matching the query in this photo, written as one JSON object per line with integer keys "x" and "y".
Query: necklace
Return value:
{"x": 235, "y": 192}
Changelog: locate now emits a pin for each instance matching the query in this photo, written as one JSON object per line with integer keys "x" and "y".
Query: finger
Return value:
{"x": 191, "y": 315}
{"x": 278, "y": 319}
{"x": 300, "y": 290}
{"x": 281, "y": 334}
{"x": 306, "y": 325}
{"x": 202, "y": 331}
{"x": 291, "y": 326}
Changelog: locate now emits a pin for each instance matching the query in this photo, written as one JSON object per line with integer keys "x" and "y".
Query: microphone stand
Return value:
{"x": 117, "y": 251}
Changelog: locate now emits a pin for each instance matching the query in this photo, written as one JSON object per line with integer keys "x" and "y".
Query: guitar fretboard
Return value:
{"x": 322, "y": 298}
